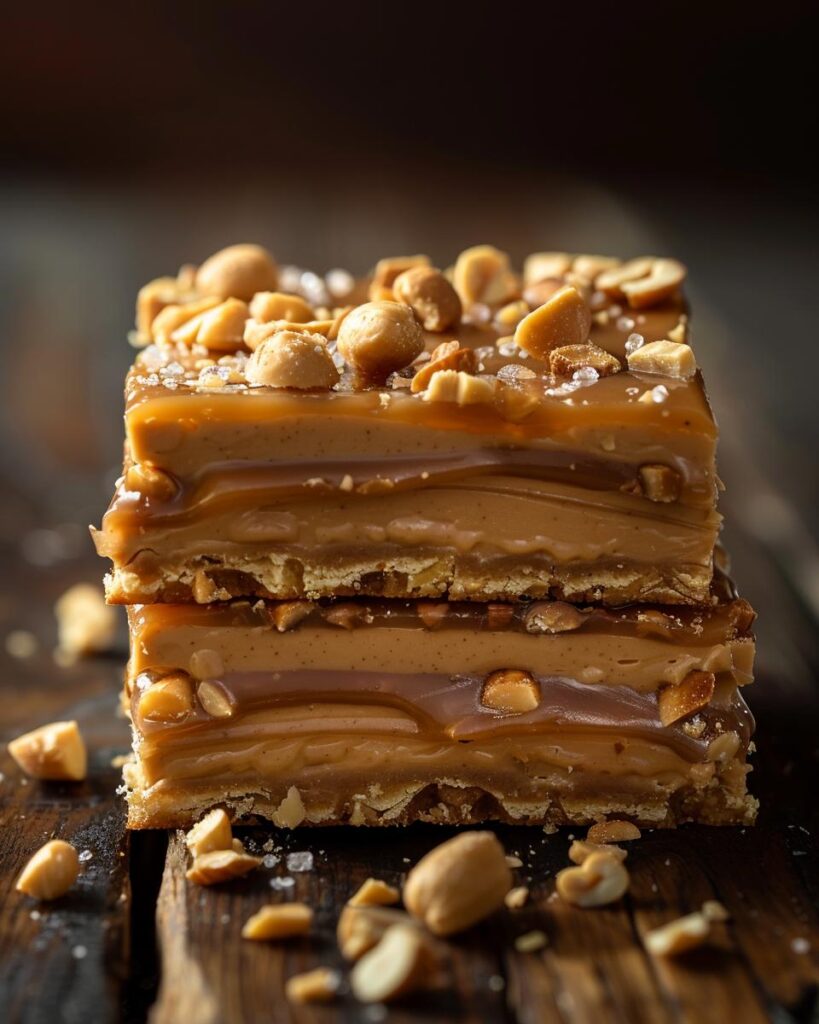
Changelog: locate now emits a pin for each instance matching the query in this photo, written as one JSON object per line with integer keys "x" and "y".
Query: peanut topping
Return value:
{"x": 660, "y": 483}
{"x": 447, "y": 356}
{"x": 553, "y": 617}
{"x": 291, "y": 811}
{"x": 567, "y": 359}
{"x": 288, "y": 614}
{"x": 220, "y": 866}
{"x": 278, "y": 921}
{"x": 212, "y": 832}
{"x": 169, "y": 699}
{"x": 215, "y": 699}
{"x": 591, "y": 267}
{"x": 256, "y": 333}
{"x": 482, "y": 275}
{"x": 614, "y": 831}
{"x": 678, "y": 936}
{"x": 517, "y": 897}
{"x": 686, "y": 697}
{"x": 267, "y": 306}
{"x": 459, "y": 387}
{"x": 152, "y": 298}
{"x": 723, "y": 748}
{"x": 666, "y": 357}
{"x": 511, "y": 691}
{"x": 664, "y": 278}
{"x": 388, "y": 270}
{"x": 400, "y": 963}
{"x": 564, "y": 319}
{"x": 582, "y": 849}
{"x": 317, "y": 986}
{"x": 150, "y": 481}
{"x": 361, "y": 928}
{"x": 85, "y": 623}
{"x": 238, "y": 272}
{"x": 220, "y": 329}
{"x": 374, "y": 893}
{"x": 535, "y": 295}
{"x": 378, "y": 338}
{"x": 458, "y": 883}
{"x": 510, "y": 315}
{"x": 171, "y": 318}
{"x": 291, "y": 359}
{"x": 51, "y": 872}
{"x": 599, "y": 880}
{"x": 55, "y": 752}
{"x": 542, "y": 265}
{"x": 611, "y": 281}
{"x": 432, "y": 298}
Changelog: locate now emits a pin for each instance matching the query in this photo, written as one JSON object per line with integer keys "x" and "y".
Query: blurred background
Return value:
{"x": 136, "y": 137}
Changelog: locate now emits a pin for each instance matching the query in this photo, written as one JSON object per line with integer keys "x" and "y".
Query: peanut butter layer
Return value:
{"x": 533, "y": 476}
{"x": 550, "y": 709}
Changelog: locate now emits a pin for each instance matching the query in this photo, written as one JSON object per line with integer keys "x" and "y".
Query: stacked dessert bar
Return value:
{"x": 431, "y": 545}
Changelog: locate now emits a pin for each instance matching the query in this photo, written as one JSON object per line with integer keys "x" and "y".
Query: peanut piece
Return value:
{"x": 85, "y": 623}
{"x": 432, "y": 613}
{"x": 55, "y": 752}
{"x": 564, "y": 319}
{"x": 611, "y": 281}
{"x": 215, "y": 699}
{"x": 660, "y": 483}
{"x": 432, "y": 298}
{"x": 511, "y": 691}
{"x": 388, "y": 270}
{"x": 542, "y": 265}
{"x": 724, "y": 748}
{"x": 219, "y": 329}
{"x": 150, "y": 481}
{"x": 288, "y": 614}
{"x": 678, "y": 936}
{"x": 291, "y": 811}
{"x": 599, "y": 880}
{"x": 447, "y": 356}
{"x": 400, "y": 963}
{"x": 220, "y": 866}
{"x": 666, "y": 357}
{"x": 378, "y": 338}
{"x": 256, "y": 333}
{"x": 482, "y": 275}
{"x": 293, "y": 359}
{"x": 517, "y": 897}
{"x": 317, "y": 986}
{"x": 686, "y": 697}
{"x": 510, "y": 315}
{"x": 515, "y": 403}
{"x": 361, "y": 928}
{"x": 169, "y": 699}
{"x": 374, "y": 893}
{"x": 535, "y": 295}
{"x": 51, "y": 872}
{"x": 172, "y": 318}
{"x": 591, "y": 267}
{"x": 459, "y": 387}
{"x": 278, "y": 921}
{"x": 267, "y": 306}
{"x": 614, "y": 831}
{"x": 458, "y": 883}
{"x": 206, "y": 664}
{"x": 567, "y": 359}
{"x": 714, "y": 911}
{"x": 531, "y": 942}
{"x": 238, "y": 272}
{"x": 552, "y": 617}
{"x": 212, "y": 832}
{"x": 663, "y": 280}
{"x": 152, "y": 298}
{"x": 582, "y": 849}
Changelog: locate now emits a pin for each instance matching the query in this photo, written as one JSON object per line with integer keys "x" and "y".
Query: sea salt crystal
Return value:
{"x": 800, "y": 945}
{"x": 586, "y": 375}
{"x": 508, "y": 349}
{"x": 514, "y": 371}
{"x": 85, "y": 855}
{"x": 659, "y": 394}
{"x": 625, "y": 323}
{"x": 302, "y": 860}
{"x": 340, "y": 282}
{"x": 270, "y": 860}
{"x": 79, "y": 952}
{"x": 633, "y": 342}
{"x": 282, "y": 883}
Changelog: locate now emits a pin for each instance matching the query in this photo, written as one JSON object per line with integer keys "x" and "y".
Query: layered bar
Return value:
{"x": 463, "y": 467}
{"x": 387, "y": 712}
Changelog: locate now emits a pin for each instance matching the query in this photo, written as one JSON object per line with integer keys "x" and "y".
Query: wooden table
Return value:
{"x": 134, "y": 941}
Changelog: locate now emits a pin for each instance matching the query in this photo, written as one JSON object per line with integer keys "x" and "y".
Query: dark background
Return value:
{"x": 139, "y": 136}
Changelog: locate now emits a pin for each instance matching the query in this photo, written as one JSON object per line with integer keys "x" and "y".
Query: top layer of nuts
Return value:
{"x": 507, "y": 340}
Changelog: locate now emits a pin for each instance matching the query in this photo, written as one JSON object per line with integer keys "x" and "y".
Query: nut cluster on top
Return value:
{"x": 259, "y": 327}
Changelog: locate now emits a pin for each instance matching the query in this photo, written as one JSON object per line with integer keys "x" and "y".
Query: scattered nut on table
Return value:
{"x": 599, "y": 880}
{"x": 374, "y": 892}
{"x": 51, "y": 872}
{"x": 678, "y": 936}
{"x": 54, "y": 752}
{"x": 360, "y": 928}
{"x": 614, "y": 831}
{"x": 317, "y": 986}
{"x": 458, "y": 883}
{"x": 85, "y": 623}
{"x": 220, "y": 866}
{"x": 278, "y": 921}
{"x": 213, "y": 832}
{"x": 400, "y": 963}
